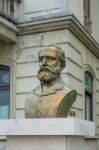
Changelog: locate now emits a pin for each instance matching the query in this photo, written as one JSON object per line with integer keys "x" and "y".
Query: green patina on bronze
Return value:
{"x": 52, "y": 98}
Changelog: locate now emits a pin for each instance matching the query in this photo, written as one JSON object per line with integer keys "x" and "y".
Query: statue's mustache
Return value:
{"x": 47, "y": 68}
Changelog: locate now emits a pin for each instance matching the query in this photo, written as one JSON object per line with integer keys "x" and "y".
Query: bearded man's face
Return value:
{"x": 49, "y": 65}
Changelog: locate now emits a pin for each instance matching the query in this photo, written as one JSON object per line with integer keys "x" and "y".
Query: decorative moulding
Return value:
{"x": 66, "y": 22}
{"x": 8, "y": 31}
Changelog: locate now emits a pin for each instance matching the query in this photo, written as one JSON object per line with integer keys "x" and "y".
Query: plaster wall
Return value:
{"x": 48, "y": 142}
{"x": 77, "y": 9}
{"x": 94, "y": 19}
{"x": 29, "y": 10}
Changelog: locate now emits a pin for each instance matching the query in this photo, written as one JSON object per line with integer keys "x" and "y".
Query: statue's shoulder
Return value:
{"x": 31, "y": 103}
{"x": 33, "y": 94}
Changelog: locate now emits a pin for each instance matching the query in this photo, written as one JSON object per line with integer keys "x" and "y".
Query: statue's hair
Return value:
{"x": 60, "y": 54}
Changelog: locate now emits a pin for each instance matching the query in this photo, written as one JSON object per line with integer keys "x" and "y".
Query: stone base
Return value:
{"x": 46, "y": 143}
{"x": 53, "y": 126}
{"x": 45, "y": 134}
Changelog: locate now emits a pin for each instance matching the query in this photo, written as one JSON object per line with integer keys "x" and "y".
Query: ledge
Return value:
{"x": 8, "y": 31}
{"x": 63, "y": 22}
{"x": 3, "y": 138}
{"x": 53, "y": 126}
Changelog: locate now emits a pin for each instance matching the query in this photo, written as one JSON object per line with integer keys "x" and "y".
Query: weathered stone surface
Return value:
{"x": 53, "y": 126}
{"x": 8, "y": 31}
{"x": 46, "y": 9}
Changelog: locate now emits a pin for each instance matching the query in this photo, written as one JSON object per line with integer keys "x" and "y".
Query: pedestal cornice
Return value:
{"x": 52, "y": 126}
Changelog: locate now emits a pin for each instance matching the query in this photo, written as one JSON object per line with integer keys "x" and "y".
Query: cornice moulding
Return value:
{"x": 66, "y": 22}
{"x": 8, "y": 23}
{"x": 8, "y": 31}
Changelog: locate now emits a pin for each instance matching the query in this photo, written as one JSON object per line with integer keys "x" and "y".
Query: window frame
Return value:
{"x": 9, "y": 9}
{"x": 11, "y": 65}
{"x": 88, "y": 94}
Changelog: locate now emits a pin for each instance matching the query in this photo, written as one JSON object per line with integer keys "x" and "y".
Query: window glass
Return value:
{"x": 4, "y": 76}
{"x": 4, "y": 92}
{"x": 88, "y": 82}
{"x": 88, "y": 107}
{"x": 88, "y": 96}
{"x": 4, "y": 103}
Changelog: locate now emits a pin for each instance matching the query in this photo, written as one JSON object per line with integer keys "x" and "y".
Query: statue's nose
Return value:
{"x": 44, "y": 61}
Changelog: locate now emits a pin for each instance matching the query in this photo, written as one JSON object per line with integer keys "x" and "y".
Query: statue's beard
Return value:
{"x": 47, "y": 74}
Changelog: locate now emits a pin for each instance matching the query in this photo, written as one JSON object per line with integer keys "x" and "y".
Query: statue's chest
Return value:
{"x": 47, "y": 105}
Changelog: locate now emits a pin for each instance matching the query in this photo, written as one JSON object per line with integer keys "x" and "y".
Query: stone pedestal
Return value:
{"x": 46, "y": 134}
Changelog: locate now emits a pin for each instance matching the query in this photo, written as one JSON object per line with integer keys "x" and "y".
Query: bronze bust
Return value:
{"x": 52, "y": 98}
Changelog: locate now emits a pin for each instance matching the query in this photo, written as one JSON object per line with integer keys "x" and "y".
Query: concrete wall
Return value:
{"x": 94, "y": 19}
{"x": 82, "y": 59}
{"x": 48, "y": 142}
{"x": 76, "y": 8}
{"x": 29, "y": 10}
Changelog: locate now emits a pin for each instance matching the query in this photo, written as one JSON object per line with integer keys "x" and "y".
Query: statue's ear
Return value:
{"x": 62, "y": 66}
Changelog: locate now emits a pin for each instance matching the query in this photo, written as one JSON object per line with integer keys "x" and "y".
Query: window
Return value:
{"x": 88, "y": 96}
{"x": 1, "y": 5}
{"x": 87, "y": 21}
{"x": 11, "y": 8}
{"x": 87, "y": 8}
{"x": 4, "y": 92}
{"x": 7, "y": 7}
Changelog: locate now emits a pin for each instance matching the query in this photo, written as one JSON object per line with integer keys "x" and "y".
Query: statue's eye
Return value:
{"x": 46, "y": 59}
{"x": 51, "y": 58}
{"x": 41, "y": 59}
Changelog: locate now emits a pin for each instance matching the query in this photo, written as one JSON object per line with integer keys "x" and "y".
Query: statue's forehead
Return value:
{"x": 48, "y": 52}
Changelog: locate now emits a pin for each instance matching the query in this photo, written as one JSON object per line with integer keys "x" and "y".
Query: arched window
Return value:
{"x": 88, "y": 96}
{"x": 4, "y": 92}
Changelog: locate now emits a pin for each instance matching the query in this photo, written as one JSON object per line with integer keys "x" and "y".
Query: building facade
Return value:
{"x": 28, "y": 25}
